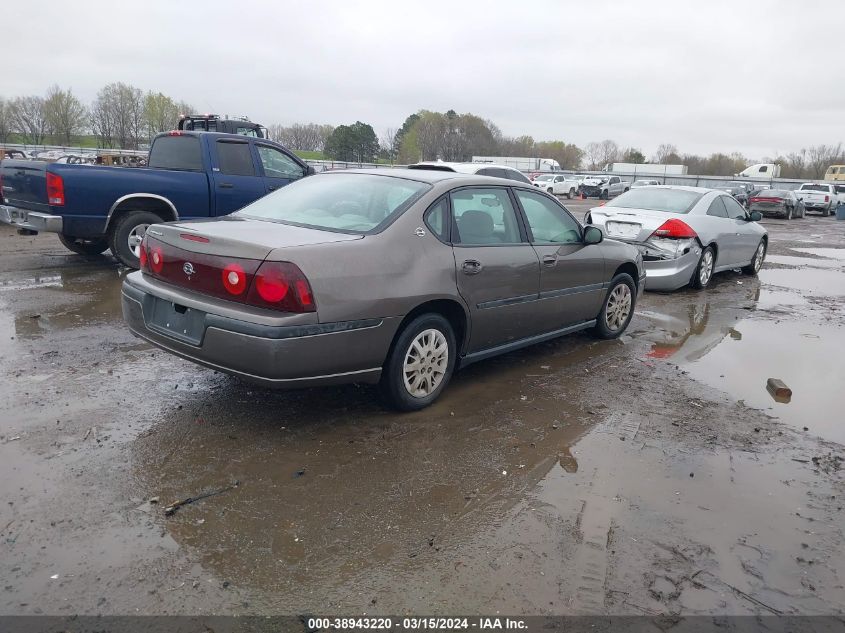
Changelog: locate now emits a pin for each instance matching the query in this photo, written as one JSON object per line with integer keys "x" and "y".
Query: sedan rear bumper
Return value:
{"x": 671, "y": 274}
{"x": 30, "y": 220}
{"x": 274, "y": 356}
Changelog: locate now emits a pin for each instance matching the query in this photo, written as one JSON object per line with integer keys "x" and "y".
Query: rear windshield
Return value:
{"x": 652, "y": 198}
{"x": 176, "y": 152}
{"x": 354, "y": 203}
{"x": 773, "y": 193}
{"x": 815, "y": 188}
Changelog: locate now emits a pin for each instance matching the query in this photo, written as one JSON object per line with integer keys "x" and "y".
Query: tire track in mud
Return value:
{"x": 588, "y": 583}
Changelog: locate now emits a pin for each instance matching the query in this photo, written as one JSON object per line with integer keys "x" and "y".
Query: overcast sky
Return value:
{"x": 706, "y": 76}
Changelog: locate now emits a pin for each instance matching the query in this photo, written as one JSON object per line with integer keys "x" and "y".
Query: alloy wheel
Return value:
{"x": 425, "y": 363}
{"x": 618, "y": 307}
{"x": 705, "y": 270}
{"x": 136, "y": 236}
{"x": 758, "y": 257}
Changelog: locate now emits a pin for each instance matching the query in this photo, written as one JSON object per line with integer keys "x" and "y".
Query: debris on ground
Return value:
{"x": 169, "y": 510}
{"x": 778, "y": 388}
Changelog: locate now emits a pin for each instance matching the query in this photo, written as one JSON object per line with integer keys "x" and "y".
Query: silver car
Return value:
{"x": 685, "y": 234}
{"x": 392, "y": 276}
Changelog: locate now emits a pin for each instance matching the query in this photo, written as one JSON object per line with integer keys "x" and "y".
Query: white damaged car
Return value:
{"x": 685, "y": 234}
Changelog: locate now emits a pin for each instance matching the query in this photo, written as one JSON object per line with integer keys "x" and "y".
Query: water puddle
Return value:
{"x": 833, "y": 253}
{"x": 808, "y": 358}
{"x": 808, "y": 280}
{"x": 787, "y": 260}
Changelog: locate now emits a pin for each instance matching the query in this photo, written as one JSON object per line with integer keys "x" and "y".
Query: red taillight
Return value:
{"x": 55, "y": 190}
{"x": 234, "y": 279}
{"x": 826, "y": 198}
{"x": 142, "y": 254}
{"x": 156, "y": 259}
{"x": 281, "y": 286}
{"x": 766, "y": 199}
{"x": 675, "y": 229}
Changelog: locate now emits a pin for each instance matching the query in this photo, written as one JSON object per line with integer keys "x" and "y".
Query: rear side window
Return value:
{"x": 176, "y": 152}
{"x": 235, "y": 159}
{"x": 717, "y": 208}
{"x": 484, "y": 216}
{"x": 436, "y": 219}
{"x": 513, "y": 174}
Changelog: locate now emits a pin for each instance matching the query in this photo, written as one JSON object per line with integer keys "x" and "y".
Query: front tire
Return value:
{"x": 618, "y": 308}
{"x": 704, "y": 271}
{"x": 757, "y": 262}
{"x": 80, "y": 246}
{"x": 571, "y": 194}
{"x": 127, "y": 233}
{"x": 789, "y": 213}
{"x": 603, "y": 195}
{"x": 420, "y": 364}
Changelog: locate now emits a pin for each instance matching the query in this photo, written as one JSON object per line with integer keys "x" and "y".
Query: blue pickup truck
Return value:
{"x": 189, "y": 175}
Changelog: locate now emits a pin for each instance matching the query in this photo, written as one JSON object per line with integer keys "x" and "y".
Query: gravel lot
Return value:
{"x": 649, "y": 475}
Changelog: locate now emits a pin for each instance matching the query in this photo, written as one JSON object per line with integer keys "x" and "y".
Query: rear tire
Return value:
{"x": 603, "y": 195}
{"x": 618, "y": 308}
{"x": 420, "y": 363}
{"x": 81, "y": 246}
{"x": 826, "y": 212}
{"x": 126, "y": 234}
{"x": 757, "y": 263}
{"x": 789, "y": 213}
{"x": 704, "y": 271}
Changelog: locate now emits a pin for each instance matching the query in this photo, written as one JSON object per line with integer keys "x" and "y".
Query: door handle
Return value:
{"x": 226, "y": 185}
{"x": 549, "y": 260}
{"x": 272, "y": 187}
{"x": 471, "y": 267}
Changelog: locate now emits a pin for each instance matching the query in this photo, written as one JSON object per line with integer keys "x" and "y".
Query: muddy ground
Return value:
{"x": 649, "y": 475}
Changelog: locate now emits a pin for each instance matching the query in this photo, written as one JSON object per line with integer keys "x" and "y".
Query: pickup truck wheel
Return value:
{"x": 826, "y": 212}
{"x": 571, "y": 194}
{"x": 127, "y": 233}
{"x": 420, "y": 364}
{"x": 551, "y": 191}
{"x": 80, "y": 246}
{"x": 603, "y": 195}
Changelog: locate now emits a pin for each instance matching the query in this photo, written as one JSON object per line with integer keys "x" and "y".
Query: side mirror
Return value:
{"x": 310, "y": 171}
{"x": 593, "y": 235}
{"x": 756, "y": 216}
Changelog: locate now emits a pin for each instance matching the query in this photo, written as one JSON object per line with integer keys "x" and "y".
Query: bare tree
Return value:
{"x": 5, "y": 121}
{"x": 66, "y": 116}
{"x": 819, "y": 157}
{"x": 302, "y": 136}
{"x": 388, "y": 143}
{"x": 795, "y": 164}
{"x": 117, "y": 116}
{"x": 665, "y": 153}
{"x": 601, "y": 154}
{"x": 27, "y": 118}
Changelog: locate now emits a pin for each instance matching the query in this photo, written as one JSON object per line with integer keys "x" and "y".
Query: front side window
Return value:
{"x": 354, "y": 203}
{"x": 549, "y": 223}
{"x": 235, "y": 159}
{"x": 278, "y": 164}
{"x": 735, "y": 210}
{"x": 717, "y": 208}
{"x": 484, "y": 216}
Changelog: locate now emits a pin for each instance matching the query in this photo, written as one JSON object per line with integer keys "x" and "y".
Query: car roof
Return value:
{"x": 464, "y": 168}
{"x": 433, "y": 176}
{"x": 685, "y": 188}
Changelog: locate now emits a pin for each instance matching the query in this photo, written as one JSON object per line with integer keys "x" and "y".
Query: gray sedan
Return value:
{"x": 394, "y": 277}
{"x": 685, "y": 234}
